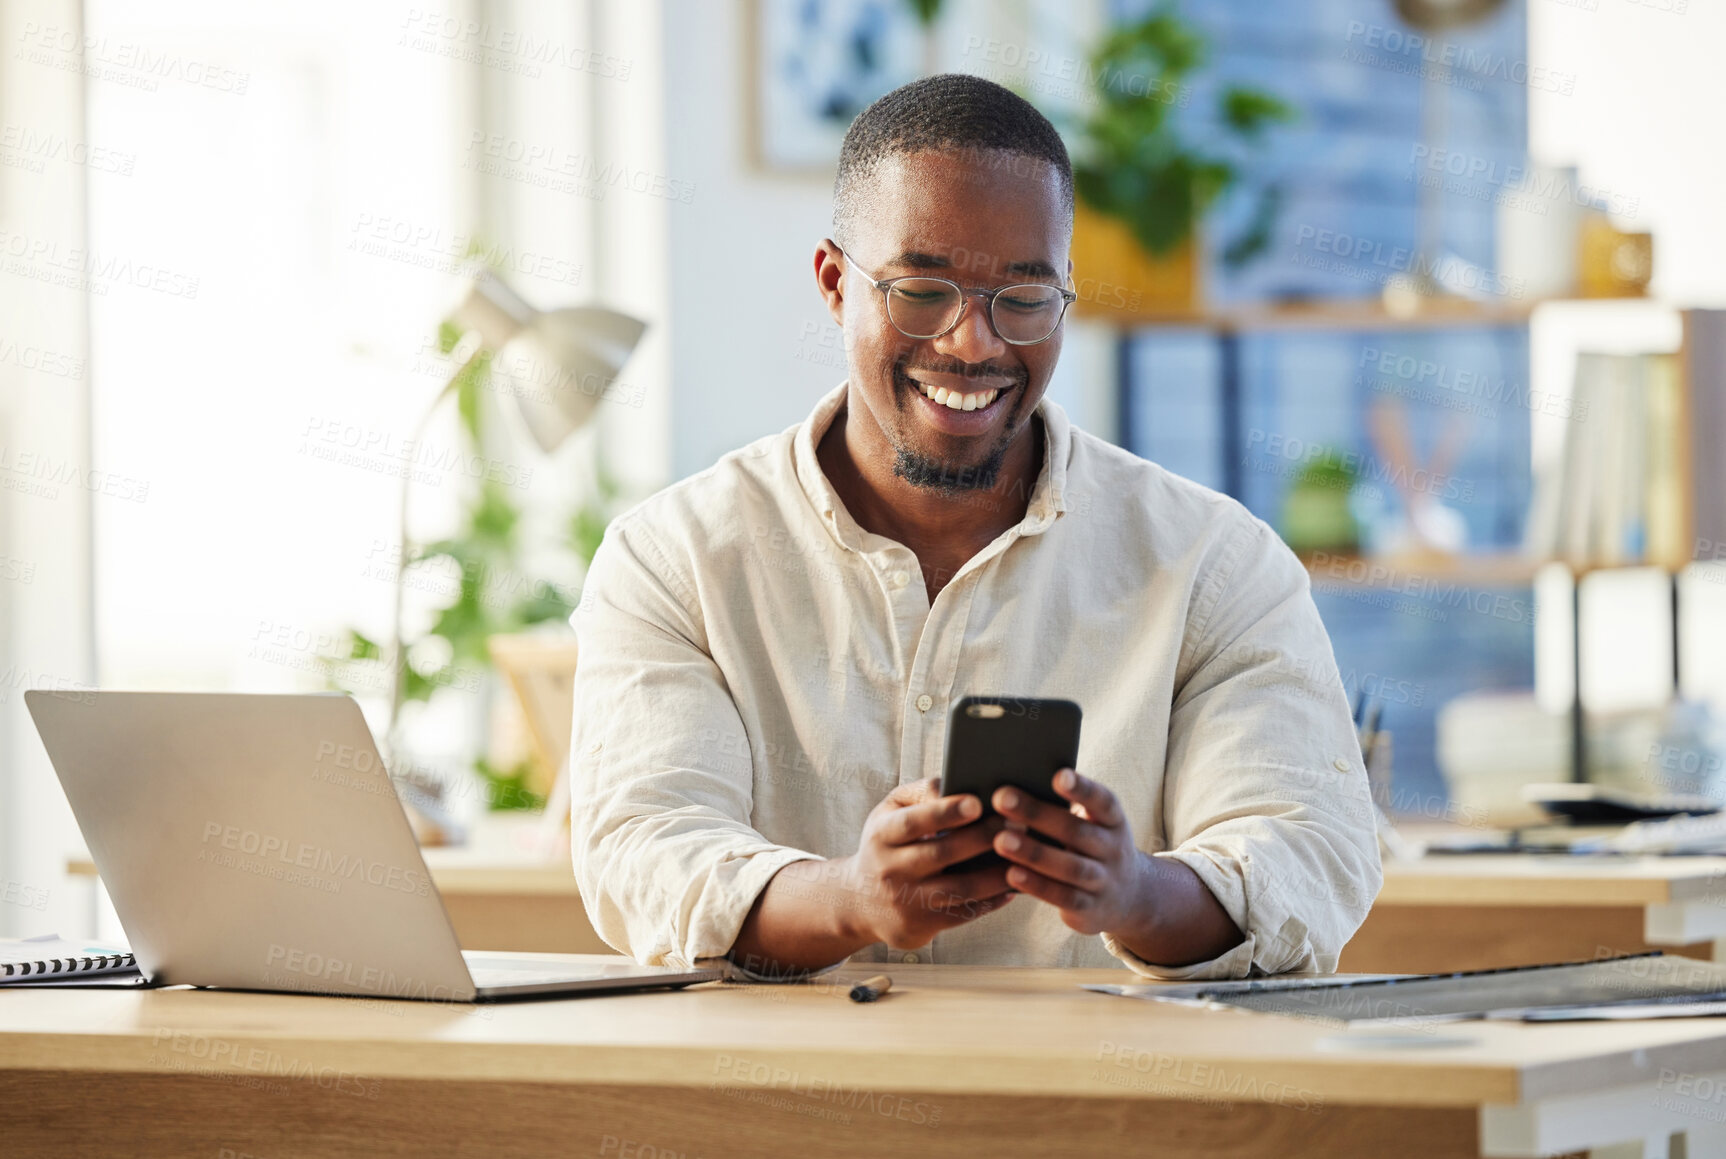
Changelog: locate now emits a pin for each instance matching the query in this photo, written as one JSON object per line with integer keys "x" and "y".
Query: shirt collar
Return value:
{"x": 1048, "y": 494}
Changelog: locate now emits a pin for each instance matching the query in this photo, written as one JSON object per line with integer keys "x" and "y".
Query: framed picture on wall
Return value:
{"x": 818, "y": 64}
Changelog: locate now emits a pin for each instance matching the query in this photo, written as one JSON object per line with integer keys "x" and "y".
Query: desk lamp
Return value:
{"x": 557, "y": 365}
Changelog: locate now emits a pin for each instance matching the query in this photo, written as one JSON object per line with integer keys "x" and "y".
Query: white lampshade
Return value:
{"x": 558, "y": 364}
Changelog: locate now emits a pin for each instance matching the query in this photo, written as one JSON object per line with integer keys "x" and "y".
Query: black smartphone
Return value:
{"x": 1008, "y": 740}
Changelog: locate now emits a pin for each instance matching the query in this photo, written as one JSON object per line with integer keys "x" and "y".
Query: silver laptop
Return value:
{"x": 256, "y": 843}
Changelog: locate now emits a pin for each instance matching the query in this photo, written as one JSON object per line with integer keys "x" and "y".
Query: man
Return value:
{"x": 762, "y": 697}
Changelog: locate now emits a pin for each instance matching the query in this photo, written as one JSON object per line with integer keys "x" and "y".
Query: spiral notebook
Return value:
{"x": 51, "y": 958}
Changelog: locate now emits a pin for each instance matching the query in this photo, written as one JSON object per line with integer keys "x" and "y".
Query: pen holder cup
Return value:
{"x": 1378, "y": 765}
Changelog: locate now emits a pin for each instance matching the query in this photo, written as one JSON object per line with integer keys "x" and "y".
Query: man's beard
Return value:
{"x": 941, "y": 475}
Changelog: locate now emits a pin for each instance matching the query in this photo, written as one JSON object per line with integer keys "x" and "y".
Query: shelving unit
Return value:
{"x": 1487, "y": 569}
{"x": 1228, "y": 324}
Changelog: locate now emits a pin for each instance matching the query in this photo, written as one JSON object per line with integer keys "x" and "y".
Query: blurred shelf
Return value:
{"x": 1482, "y": 569}
{"x": 497, "y": 902}
{"x": 1334, "y": 314}
{"x": 458, "y": 872}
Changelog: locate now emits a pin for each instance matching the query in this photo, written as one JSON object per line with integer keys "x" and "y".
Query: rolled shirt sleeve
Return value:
{"x": 1265, "y": 795}
{"x": 665, "y": 857}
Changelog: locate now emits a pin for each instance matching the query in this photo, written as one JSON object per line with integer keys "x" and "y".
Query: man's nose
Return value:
{"x": 972, "y": 339}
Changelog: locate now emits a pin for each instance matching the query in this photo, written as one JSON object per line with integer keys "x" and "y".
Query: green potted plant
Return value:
{"x": 1316, "y": 512}
{"x": 1142, "y": 184}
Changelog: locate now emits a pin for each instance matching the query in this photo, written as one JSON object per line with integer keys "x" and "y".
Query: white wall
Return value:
{"x": 1643, "y": 122}
{"x": 631, "y": 248}
{"x": 748, "y": 327}
{"x": 46, "y": 501}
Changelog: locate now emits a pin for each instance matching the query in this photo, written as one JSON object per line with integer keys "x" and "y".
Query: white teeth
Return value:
{"x": 953, "y": 400}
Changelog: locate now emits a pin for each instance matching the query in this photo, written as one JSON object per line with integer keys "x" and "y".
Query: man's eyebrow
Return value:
{"x": 1034, "y": 269}
{"x": 918, "y": 260}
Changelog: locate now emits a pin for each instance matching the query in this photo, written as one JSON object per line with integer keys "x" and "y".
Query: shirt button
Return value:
{"x": 925, "y": 702}
{"x": 1340, "y": 764}
{"x": 899, "y": 579}
{"x": 909, "y": 959}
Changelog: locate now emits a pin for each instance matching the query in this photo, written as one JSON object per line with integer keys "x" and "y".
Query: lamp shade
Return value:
{"x": 557, "y": 364}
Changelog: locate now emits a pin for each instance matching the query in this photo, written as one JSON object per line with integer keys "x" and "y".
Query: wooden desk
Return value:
{"x": 1439, "y": 914}
{"x": 956, "y": 1061}
{"x": 1475, "y": 911}
{"x": 521, "y": 906}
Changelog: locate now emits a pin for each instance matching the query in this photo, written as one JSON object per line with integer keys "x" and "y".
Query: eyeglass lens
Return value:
{"x": 926, "y": 307}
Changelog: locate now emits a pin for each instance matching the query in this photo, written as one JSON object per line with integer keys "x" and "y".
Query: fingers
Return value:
{"x": 1055, "y": 821}
{"x": 979, "y": 883}
{"x": 915, "y": 822}
{"x": 1058, "y": 864}
{"x": 983, "y": 892}
{"x": 944, "y": 902}
{"x": 1066, "y": 898}
{"x": 973, "y": 908}
{"x": 1099, "y": 802}
{"x": 923, "y": 858}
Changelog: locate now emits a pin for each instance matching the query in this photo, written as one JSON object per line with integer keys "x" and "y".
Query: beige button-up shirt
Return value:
{"x": 757, "y": 672}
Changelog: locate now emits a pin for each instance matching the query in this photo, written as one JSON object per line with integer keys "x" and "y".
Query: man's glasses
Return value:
{"x": 1022, "y": 315}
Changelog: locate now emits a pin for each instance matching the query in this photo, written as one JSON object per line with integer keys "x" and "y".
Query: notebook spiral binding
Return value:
{"x": 64, "y": 966}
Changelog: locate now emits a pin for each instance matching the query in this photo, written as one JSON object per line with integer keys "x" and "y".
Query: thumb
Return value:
{"x": 915, "y": 792}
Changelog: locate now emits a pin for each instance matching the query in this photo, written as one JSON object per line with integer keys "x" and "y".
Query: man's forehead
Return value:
{"x": 983, "y": 212}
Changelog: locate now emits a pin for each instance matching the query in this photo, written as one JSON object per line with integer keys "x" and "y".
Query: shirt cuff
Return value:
{"x": 1235, "y": 963}
{"x": 736, "y": 973}
{"x": 720, "y": 919}
{"x": 1228, "y": 885}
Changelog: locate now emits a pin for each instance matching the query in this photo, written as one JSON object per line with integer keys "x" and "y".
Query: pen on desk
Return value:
{"x": 870, "y": 989}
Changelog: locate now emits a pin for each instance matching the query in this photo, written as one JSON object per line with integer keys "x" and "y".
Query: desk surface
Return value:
{"x": 942, "y": 1029}
{"x": 1552, "y": 879}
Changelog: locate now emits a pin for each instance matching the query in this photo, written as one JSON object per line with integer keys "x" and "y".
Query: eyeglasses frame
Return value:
{"x": 885, "y": 285}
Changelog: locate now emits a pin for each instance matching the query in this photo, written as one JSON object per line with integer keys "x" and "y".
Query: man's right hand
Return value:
{"x": 905, "y": 896}
{"x": 894, "y": 889}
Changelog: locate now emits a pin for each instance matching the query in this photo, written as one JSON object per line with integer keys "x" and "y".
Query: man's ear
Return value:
{"x": 830, "y": 278}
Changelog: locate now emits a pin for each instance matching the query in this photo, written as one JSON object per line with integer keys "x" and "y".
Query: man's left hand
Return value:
{"x": 1098, "y": 881}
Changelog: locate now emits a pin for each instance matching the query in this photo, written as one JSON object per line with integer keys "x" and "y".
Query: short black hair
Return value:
{"x": 948, "y": 112}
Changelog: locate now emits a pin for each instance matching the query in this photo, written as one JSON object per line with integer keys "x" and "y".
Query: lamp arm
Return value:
{"x": 398, "y": 645}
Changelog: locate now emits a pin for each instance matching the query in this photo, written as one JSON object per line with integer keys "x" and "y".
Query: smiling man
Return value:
{"x": 770, "y": 649}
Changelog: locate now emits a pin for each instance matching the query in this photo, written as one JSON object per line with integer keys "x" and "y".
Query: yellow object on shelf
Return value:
{"x": 1614, "y": 264}
{"x": 1117, "y": 280}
